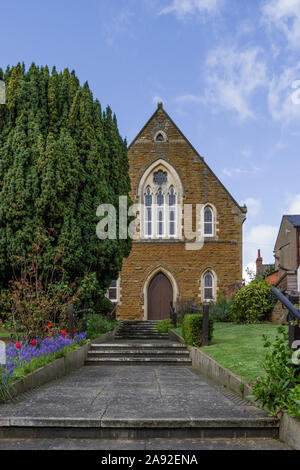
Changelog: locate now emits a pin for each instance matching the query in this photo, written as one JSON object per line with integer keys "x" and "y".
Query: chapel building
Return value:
{"x": 189, "y": 245}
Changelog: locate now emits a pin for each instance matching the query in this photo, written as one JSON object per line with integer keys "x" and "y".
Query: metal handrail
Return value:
{"x": 291, "y": 308}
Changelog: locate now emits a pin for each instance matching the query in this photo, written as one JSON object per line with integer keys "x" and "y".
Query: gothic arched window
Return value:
{"x": 172, "y": 212}
{"x": 148, "y": 213}
{"x": 159, "y": 138}
{"x": 208, "y": 222}
{"x": 160, "y": 199}
{"x": 208, "y": 282}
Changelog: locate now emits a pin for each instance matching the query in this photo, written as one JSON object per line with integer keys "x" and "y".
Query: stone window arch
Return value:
{"x": 161, "y": 182}
{"x": 148, "y": 212}
{"x": 172, "y": 212}
{"x": 209, "y": 220}
{"x": 160, "y": 136}
{"x": 208, "y": 285}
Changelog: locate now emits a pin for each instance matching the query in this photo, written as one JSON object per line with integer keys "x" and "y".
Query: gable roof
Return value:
{"x": 243, "y": 209}
{"x": 294, "y": 219}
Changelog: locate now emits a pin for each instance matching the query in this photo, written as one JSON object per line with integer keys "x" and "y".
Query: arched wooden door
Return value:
{"x": 160, "y": 294}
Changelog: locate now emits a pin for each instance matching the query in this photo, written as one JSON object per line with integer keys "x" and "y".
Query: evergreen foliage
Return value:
{"x": 61, "y": 156}
{"x": 253, "y": 303}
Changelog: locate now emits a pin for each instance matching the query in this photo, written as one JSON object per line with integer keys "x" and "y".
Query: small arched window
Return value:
{"x": 160, "y": 199}
{"x": 172, "y": 212}
{"x": 208, "y": 222}
{"x": 159, "y": 138}
{"x": 208, "y": 281}
{"x": 148, "y": 212}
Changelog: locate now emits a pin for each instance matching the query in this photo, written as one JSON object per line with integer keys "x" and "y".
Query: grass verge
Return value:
{"x": 240, "y": 347}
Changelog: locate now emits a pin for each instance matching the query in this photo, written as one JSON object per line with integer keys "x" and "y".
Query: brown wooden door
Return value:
{"x": 160, "y": 294}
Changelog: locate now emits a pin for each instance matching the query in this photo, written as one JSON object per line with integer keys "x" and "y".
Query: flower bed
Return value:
{"x": 21, "y": 359}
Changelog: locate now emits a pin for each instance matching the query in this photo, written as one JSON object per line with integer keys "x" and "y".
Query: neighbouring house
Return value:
{"x": 260, "y": 267}
{"x": 165, "y": 266}
{"x": 287, "y": 261}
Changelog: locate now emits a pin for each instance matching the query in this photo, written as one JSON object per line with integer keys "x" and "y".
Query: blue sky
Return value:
{"x": 228, "y": 72}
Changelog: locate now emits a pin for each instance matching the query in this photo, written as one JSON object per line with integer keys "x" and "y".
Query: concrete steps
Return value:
{"x": 139, "y": 330}
{"x": 163, "y": 444}
{"x": 138, "y": 353}
{"x": 110, "y": 428}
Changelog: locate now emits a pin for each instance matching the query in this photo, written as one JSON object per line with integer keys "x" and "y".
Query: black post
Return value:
{"x": 71, "y": 321}
{"x": 205, "y": 324}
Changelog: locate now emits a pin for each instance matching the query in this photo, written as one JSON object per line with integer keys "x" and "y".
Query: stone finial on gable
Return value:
{"x": 160, "y": 105}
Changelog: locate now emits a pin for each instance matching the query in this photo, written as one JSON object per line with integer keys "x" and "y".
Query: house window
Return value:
{"x": 208, "y": 281}
{"x": 208, "y": 222}
{"x": 172, "y": 212}
{"x": 160, "y": 213}
{"x": 148, "y": 213}
{"x": 113, "y": 291}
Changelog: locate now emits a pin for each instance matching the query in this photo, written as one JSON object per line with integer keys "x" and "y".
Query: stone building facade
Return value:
{"x": 171, "y": 181}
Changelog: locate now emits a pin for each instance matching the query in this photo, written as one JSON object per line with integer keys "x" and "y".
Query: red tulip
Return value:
{"x": 63, "y": 332}
{"x": 18, "y": 345}
{"x": 74, "y": 331}
{"x": 33, "y": 342}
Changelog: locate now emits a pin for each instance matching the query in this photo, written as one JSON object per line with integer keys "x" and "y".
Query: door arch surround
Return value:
{"x": 147, "y": 282}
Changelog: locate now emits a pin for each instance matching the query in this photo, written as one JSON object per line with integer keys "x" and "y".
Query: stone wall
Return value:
{"x": 221, "y": 253}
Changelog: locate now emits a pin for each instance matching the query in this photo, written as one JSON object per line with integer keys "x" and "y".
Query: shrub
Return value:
{"x": 192, "y": 329}
{"x": 163, "y": 325}
{"x": 273, "y": 390}
{"x": 221, "y": 309}
{"x": 293, "y": 406}
{"x": 252, "y": 303}
{"x": 106, "y": 306}
{"x": 98, "y": 325}
{"x": 39, "y": 297}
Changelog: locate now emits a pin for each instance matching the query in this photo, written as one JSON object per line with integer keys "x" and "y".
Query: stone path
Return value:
{"x": 130, "y": 407}
{"x": 127, "y": 393}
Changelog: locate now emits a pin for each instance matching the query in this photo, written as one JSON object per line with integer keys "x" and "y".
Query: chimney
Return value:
{"x": 258, "y": 262}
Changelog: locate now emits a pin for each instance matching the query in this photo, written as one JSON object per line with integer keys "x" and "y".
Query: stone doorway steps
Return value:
{"x": 158, "y": 353}
{"x": 139, "y": 330}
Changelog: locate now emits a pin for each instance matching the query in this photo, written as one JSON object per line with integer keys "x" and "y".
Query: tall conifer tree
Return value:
{"x": 60, "y": 158}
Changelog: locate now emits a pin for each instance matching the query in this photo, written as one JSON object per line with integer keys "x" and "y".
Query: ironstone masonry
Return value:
{"x": 160, "y": 269}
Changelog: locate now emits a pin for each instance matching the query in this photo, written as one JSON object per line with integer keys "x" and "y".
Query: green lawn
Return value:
{"x": 4, "y": 334}
{"x": 240, "y": 347}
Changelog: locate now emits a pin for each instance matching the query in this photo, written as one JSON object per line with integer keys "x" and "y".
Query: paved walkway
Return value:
{"x": 117, "y": 393}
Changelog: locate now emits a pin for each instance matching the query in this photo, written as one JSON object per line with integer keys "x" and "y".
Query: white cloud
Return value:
{"x": 249, "y": 272}
{"x": 294, "y": 205}
{"x": 233, "y": 76}
{"x": 189, "y": 98}
{"x": 284, "y": 15}
{"x": 253, "y": 205}
{"x": 182, "y": 8}
{"x": 284, "y": 93}
{"x": 230, "y": 172}
{"x": 261, "y": 237}
{"x": 119, "y": 24}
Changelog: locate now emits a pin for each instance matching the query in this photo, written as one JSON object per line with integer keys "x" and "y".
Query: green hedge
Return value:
{"x": 192, "y": 329}
{"x": 163, "y": 325}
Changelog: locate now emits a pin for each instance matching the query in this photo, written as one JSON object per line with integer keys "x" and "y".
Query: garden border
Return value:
{"x": 52, "y": 371}
{"x": 289, "y": 431}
